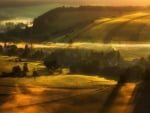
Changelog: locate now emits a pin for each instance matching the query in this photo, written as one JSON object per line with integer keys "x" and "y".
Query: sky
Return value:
{"x": 109, "y": 2}
{"x": 79, "y": 2}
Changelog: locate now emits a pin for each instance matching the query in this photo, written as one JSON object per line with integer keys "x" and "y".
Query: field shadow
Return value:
{"x": 75, "y": 102}
{"x": 8, "y": 94}
{"x": 111, "y": 98}
{"x": 141, "y": 98}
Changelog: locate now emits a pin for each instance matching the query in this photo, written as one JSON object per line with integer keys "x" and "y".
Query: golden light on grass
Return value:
{"x": 121, "y": 104}
{"x": 23, "y": 100}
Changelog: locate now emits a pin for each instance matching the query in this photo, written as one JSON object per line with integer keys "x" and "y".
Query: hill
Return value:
{"x": 62, "y": 21}
{"x": 87, "y": 24}
{"x": 12, "y": 14}
{"x": 133, "y": 27}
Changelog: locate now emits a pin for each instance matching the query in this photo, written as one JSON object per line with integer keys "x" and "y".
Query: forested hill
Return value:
{"x": 65, "y": 20}
{"x": 84, "y": 23}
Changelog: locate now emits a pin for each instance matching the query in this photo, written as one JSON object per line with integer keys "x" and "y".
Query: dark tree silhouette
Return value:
{"x": 1, "y": 49}
{"x": 25, "y": 69}
{"x": 26, "y": 51}
{"x": 16, "y": 71}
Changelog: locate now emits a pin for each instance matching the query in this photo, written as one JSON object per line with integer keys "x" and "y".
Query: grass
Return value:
{"x": 131, "y": 27}
{"x": 59, "y": 81}
{"x": 6, "y": 65}
{"x": 60, "y": 93}
{"x": 53, "y": 100}
{"x": 77, "y": 19}
{"x": 70, "y": 81}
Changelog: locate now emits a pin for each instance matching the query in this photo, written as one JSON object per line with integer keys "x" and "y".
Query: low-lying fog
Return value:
{"x": 128, "y": 51}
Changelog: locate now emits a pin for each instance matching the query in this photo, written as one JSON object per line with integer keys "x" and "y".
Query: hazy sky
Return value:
{"x": 111, "y": 2}
{"x": 82, "y": 2}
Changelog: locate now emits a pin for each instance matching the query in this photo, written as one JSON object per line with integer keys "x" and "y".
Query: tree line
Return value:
{"x": 109, "y": 64}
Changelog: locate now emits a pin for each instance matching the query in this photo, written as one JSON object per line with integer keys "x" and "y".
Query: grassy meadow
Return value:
{"x": 125, "y": 34}
{"x": 53, "y": 93}
{"x": 7, "y": 63}
{"x": 125, "y": 28}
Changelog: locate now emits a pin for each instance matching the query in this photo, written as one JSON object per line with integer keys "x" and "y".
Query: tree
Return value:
{"x": 52, "y": 65}
{"x": 26, "y": 51}
{"x": 25, "y": 69}
{"x": 1, "y": 49}
{"x": 16, "y": 71}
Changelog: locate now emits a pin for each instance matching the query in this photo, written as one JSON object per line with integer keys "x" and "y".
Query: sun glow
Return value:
{"x": 27, "y": 21}
{"x": 116, "y": 2}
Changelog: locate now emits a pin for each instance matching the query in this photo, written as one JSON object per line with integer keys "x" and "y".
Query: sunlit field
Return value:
{"x": 133, "y": 27}
{"x": 8, "y": 63}
{"x": 98, "y": 67}
{"x": 30, "y": 94}
{"x": 63, "y": 94}
{"x": 129, "y": 34}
